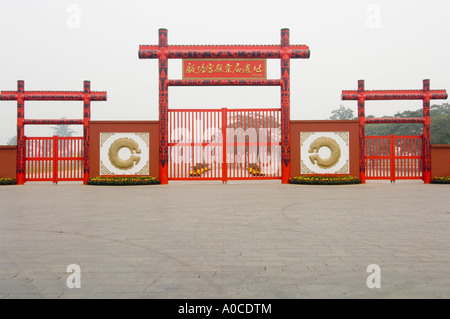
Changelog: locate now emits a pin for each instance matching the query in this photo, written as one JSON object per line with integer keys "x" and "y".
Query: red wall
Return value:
{"x": 8, "y": 155}
{"x": 352, "y": 126}
{"x": 97, "y": 127}
{"x": 440, "y": 154}
{"x": 440, "y": 160}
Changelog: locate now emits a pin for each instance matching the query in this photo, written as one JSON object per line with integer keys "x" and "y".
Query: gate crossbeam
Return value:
{"x": 393, "y": 120}
{"x": 223, "y": 51}
{"x": 54, "y": 122}
{"x": 223, "y": 82}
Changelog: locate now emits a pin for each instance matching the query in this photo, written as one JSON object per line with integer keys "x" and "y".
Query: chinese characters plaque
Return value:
{"x": 224, "y": 69}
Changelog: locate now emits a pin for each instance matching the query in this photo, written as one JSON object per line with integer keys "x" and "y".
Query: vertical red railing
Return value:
{"x": 393, "y": 157}
{"x": 38, "y": 159}
{"x": 54, "y": 159}
{"x": 228, "y": 144}
{"x": 224, "y": 114}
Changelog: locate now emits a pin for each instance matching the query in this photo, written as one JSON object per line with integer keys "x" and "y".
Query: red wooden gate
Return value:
{"x": 210, "y": 54}
{"x": 222, "y": 144}
{"x": 425, "y": 94}
{"x": 394, "y": 157}
{"x": 54, "y": 158}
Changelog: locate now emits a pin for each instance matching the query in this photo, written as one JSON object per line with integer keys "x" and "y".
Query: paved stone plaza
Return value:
{"x": 209, "y": 240}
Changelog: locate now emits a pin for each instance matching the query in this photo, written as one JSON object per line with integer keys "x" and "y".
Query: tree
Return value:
{"x": 397, "y": 128}
{"x": 440, "y": 123}
{"x": 342, "y": 113}
{"x": 62, "y": 130}
{"x": 443, "y": 109}
{"x": 12, "y": 140}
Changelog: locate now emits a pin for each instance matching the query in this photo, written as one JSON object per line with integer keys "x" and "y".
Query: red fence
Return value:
{"x": 394, "y": 157}
{"x": 54, "y": 159}
{"x": 224, "y": 144}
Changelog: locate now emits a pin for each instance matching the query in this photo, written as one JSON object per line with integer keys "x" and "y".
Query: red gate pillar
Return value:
{"x": 20, "y": 162}
{"x": 426, "y": 133}
{"x": 362, "y": 131}
{"x": 86, "y": 128}
{"x": 285, "y": 108}
{"x": 163, "y": 105}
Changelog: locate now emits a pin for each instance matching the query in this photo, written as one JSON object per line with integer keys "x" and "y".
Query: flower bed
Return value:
{"x": 254, "y": 170}
{"x": 199, "y": 170}
{"x": 7, "y": 181}
{"x": 441, "y": 180}
{"x": 325, "y": 180}
{"x": 123, "y": 180}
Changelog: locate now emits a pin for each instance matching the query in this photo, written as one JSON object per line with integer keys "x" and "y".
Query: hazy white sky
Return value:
{"x": 56, "y": 44}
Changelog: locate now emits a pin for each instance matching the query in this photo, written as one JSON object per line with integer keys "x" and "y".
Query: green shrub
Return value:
{"x": 123, "y": 180}
{"x": 325, "y": 180}
{"x": 7, "y": 181}
{"x": 441, "y": 180}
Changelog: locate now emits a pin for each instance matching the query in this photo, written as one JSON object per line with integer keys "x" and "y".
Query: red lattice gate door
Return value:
{"x": 54, "y": 159}
{"x": 394, "y": 157}
{"x": 224, "y": 144}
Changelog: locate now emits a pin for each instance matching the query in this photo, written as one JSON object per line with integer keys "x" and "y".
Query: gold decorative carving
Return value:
{"x": 332, "y": 145}
{"x": 104, "y": 170}
{"x": 113, "y": 153}
{"x": 144, "y": 137}
{"x": 343, "y": 135}
{"x": 304, "y": 136}
{"x": 104, "y": 137}
{"x": 305, "y": 169}
{"x": 144, "y": 170}
{"x": 344, "y": 169}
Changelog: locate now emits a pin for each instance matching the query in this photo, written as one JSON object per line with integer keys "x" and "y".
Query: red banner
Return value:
{"x": 224, "y": 69}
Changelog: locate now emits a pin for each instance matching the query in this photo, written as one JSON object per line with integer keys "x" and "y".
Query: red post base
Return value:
{"x": 285, "y": 173}
{"x": 20, "y": 179}
{"x": 426, "y": 177}
{"x": 163, "y": 174}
